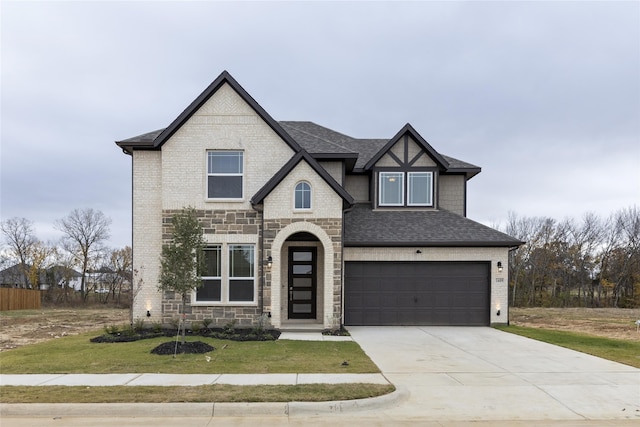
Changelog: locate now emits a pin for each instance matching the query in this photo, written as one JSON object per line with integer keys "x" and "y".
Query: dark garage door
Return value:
{"x": 417, "y": 293}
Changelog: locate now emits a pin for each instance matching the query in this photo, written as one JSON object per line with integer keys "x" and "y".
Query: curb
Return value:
{"x": 213, "y": 410}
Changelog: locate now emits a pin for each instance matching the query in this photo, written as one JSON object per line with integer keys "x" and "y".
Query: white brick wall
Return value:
{"x": 147, "y": 233}
{"x": 224, "y": 122}
{"x": 325, "y": 203}
{"x": 499, "y": 280}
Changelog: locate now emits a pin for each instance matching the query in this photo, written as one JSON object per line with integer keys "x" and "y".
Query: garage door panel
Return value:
{"x": 418, "y": 293}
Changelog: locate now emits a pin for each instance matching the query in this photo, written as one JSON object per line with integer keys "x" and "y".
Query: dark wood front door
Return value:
{"x": 302, "y": 283}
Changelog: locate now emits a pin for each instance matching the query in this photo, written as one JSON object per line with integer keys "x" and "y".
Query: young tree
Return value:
{"x": 19, "y": 237}
{"x": 182, "y": 261}
{"x": 85, "y": 233}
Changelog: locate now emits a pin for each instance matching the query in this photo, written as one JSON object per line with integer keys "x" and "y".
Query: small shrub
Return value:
{"x": 262, "y": 323}
{"x": 112, "y": 329}
{"x": 230, "y": 328}
{"x": 138, "y": 324}
{"x": 206, "y": 323}
{"x": 156, "y": 327}
{"x": 196, "y": 327}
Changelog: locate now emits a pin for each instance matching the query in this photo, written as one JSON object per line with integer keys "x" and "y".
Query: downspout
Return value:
{"x": 263, "y": 277}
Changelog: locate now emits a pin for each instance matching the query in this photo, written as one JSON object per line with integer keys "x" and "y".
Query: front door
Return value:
{"x": 302, "y": 283}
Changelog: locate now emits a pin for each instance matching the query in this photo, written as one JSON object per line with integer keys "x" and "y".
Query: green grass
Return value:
{"x": 210, "y": 393}
{"x": 622, "y": 351}
{"x": 76, "y": 354}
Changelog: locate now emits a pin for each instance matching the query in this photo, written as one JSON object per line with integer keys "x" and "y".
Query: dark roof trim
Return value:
{"x": 449, "y": 244}
{"x": 259, "y": 197}
{"x": 408, "y": 129}
{"x": 349, "y": 158}
{"x": 223, "y": 78}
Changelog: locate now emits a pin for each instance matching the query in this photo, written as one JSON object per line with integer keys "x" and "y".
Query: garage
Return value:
{"x": 417, "y": 293}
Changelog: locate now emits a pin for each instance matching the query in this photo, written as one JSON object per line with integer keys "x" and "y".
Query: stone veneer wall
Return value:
{"x": 221, "y": 223}
{"x": 333, "y": 228}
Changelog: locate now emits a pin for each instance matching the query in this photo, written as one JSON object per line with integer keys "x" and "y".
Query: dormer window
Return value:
{"x": 420, "y": 191}
{"x": 302, "y": 196}
{"x": 405, "y": 188}
{"x": 391, "y": 189}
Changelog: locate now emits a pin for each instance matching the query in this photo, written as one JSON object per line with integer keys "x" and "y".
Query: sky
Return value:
{"x": 543, "y": 96}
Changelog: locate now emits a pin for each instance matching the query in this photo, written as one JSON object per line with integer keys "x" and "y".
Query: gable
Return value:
{"x": 406, "y": 152}
{"x": 398, "y": 148}
{"x": 325, "y": 202}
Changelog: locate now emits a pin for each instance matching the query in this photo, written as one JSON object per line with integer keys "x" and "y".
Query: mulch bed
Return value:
{"x": 189, "y": 347}
{"x": 239, "y": 334}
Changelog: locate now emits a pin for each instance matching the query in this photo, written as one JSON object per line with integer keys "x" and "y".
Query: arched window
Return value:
{"x": 303, "y": 195}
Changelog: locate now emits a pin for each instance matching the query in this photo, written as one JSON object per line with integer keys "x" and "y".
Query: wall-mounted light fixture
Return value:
{"x": 498, "y": 309}
{"x": 269, "y": 262}
{"x": 498, "y": 312}
{"x": 418, "y": 251}
{"x": 148, "y": 313}
{"x": 499, "y": 266}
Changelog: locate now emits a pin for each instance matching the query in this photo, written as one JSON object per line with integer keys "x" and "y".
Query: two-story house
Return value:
{"x": 310, "y": 226}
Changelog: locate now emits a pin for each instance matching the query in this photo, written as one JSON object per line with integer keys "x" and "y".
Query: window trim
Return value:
{"x": 400, "y": 174}
{"x": 405, "y": 173}
{"x": 430, "y": 193}
{"x": 226, "y": 278}
{"x": 203, "y": 278}
{"x": 295, "y": 193}
{"x": 223, "y": 174}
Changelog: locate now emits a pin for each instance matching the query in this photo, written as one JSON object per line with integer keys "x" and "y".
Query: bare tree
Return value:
{"x": 85, "y": 234}
{"x": 19, "y": 237}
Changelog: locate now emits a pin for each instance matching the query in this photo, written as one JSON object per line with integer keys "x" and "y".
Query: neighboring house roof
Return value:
{"x": 13, "y": 275}
{"x": 288, "y": 167}
{"x": 364, "y": 226}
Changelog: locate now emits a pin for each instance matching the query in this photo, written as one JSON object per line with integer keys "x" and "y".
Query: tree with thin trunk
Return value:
{"x": 182, "y": 259}
{"x": 19, "y": 237}
{"x": 85, "y": 232}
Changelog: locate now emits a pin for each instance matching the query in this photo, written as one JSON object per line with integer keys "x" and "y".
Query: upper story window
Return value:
{"x": 302, "y": 196}
{"x": 405, "y": 189}
{"x": 391, "y": 189}
{"x": 420, "y": 191}
{"x": 225, "y": 174}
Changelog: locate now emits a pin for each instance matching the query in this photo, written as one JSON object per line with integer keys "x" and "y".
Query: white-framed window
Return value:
{"x": 211, "y": 289}
{"x": 391, "y": 191}
{"x": 302, "y": 196}
{"x": 420, "y": 190}
{"x": 229, "y": 276}
{"x": 241, "y": 273}
{"x": 225, "y": 172}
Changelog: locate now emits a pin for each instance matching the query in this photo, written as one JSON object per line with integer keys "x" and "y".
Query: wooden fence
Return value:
{"x": 19, "y": 299}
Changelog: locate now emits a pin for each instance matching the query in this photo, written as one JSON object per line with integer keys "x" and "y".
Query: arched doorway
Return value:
{"x": 302, "y": 279}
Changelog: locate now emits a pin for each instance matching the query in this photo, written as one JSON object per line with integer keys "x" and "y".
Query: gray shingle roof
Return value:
{"x": 366, "y": 227}
{"x": 318, "y": 139}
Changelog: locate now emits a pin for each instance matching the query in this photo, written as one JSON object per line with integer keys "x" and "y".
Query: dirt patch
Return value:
{"x": 23, "y": 327}
{"x": 616, "y": 323}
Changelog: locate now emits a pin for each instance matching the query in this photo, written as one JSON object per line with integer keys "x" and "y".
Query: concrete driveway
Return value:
{"x": 459, "y": 373}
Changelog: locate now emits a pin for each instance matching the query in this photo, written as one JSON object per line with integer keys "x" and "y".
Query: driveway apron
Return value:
{"x": 477, "y": 373}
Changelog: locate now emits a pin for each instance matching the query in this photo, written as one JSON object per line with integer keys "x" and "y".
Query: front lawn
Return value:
{"x": 77, "y": 355}
{"x": 622, "y": 351}
{"x": 208, "y": 393}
